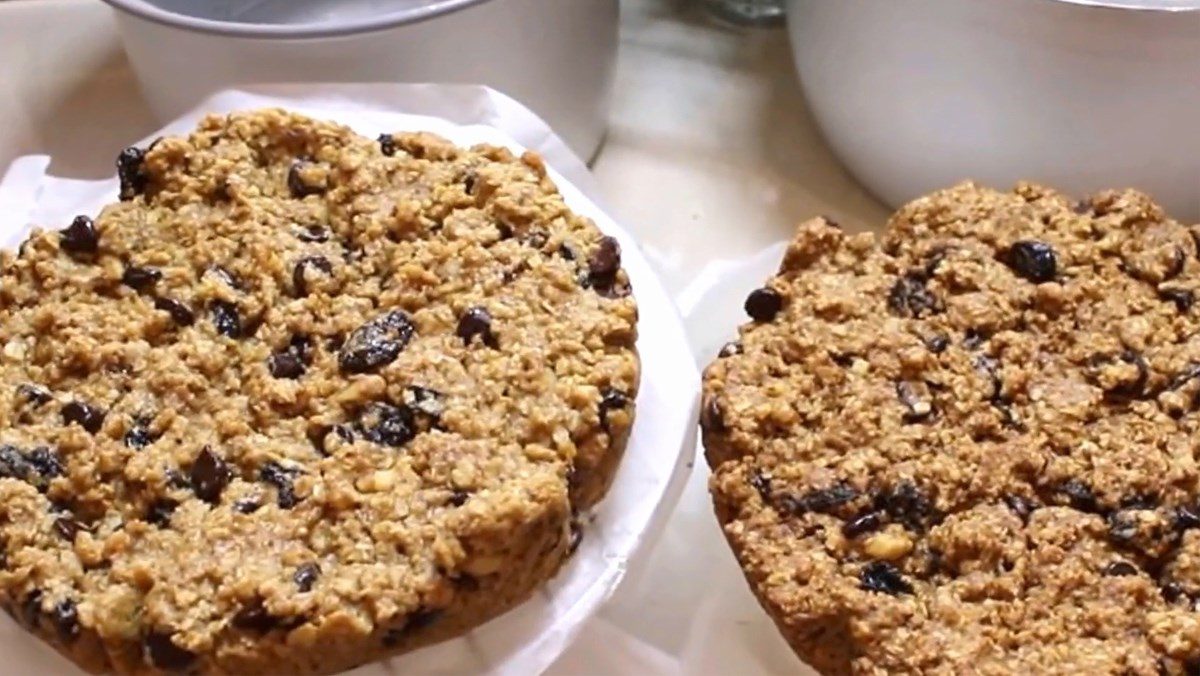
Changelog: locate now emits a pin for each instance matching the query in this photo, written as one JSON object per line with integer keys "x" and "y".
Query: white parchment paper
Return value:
{"x": 529, "y": 638}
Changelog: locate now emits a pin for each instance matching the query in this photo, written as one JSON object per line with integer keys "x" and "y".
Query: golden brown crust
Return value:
{"x": 303, "y": 399}
{"x": 970, "y": 441}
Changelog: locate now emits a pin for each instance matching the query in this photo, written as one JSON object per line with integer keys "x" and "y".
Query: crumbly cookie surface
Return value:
{"x": 303, "y": 399}
{"x": 969, "y": 445}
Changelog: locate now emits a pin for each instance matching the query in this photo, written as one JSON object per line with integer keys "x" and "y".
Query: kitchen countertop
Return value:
{"x": 711, "y": 155}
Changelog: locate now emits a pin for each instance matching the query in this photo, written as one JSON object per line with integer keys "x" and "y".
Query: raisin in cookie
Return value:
{"x": 303, "y": 399}
{"x": 969, "y": 445}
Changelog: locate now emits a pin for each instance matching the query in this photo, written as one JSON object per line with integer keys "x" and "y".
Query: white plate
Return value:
{"x": 529, "y": 638}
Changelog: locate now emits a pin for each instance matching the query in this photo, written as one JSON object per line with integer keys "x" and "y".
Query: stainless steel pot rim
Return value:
{"x": 1140, "y": 5}
{"x": 150, "y": 12}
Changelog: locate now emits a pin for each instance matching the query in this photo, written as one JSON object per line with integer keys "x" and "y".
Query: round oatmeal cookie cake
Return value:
{"x": 303, "y": 399}
{"x": 969, "y": 445}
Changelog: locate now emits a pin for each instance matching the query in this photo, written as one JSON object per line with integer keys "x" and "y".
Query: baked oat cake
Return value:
{"x": 968, "y": 446}
{"x": 303, "y": 399}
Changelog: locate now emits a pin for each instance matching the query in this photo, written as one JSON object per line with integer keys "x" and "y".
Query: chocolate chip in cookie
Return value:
{"x": 376, "y": 343}
{"x": 131, "y": 172}
{"x": 763, "y": 304}
{"x": 477, "y": 321}
{"x": 1033, "y": 260}
{"x": 80, "y": 237}
{"x": 210, "y": 475}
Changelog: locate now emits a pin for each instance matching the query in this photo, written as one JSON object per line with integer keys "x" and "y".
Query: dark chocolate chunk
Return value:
{"x": 1172, "y": 592}
{"x": 387, "y": 144}
{"x": 1120, "y": 568}
{"x": 301, "y": 345}
{"x": 297, "y": 184}
{"x": 210, "y": 476}
{"x": 299, "y": 283}
{"x": 282, "y": 478}
{"x": 477, "y": 321}
{"x": 131, "y": 172}
{"x": 180, "y": 313}
{"x": 1032, "y": 260}
{"x": 604, "y": 263}
{"x": 1080, "y": 495}
{"x": 45, "y": 463}
{"x": 141, "y": 278}
{"x": 86, "y": 416}
{"x": 730, "y": 349}
{"x": 313, "y": 233}
{"x": 254, "y": 617}
{"x": 1182, "y": 298}
{"x": 863, "y": 524}
{"x": 80, "y": 237}
{"x": 1186, "y": 518}
{"x": 226, "y": 319}
{"x": 247, "y": 506}
{"x": 33, "y": 394}
{"x": 909, "y": 298}
{"x": 884, "y": 578}
{"x": 458, "y": 498}
{"x": 611, "y": 400}
{"x": 13, "y": 464}
{"x": 842, "y": 359}
{"x": 973, "y": 338}
{"x": 821, "y": 500}
{"x": 160, "y": 512}
{"x": 139, "y": 436}
{"x": 286, "y": 365}
{"x": 66, "y": 620}
{"x": 385, "y": 424}
{"x": 905, "y": 503}
{"x": 306, "y": 576}
{"x": 376, "y": 343}
{"x": 763, "y": 304}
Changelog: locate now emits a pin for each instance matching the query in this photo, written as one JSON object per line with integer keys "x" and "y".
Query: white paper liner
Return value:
{"x": 529, "y": 638}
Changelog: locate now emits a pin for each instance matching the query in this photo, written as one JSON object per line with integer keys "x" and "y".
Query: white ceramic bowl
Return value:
{"x": 555, "y": 56}
{"x": 914, "y": 95}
